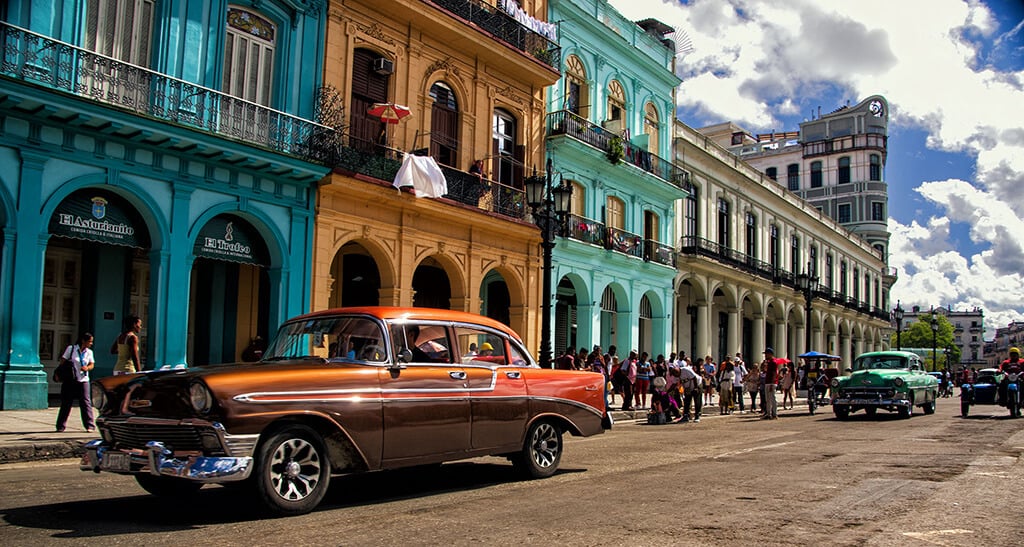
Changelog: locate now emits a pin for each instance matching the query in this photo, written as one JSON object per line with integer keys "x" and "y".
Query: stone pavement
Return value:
{"x": 27, "y": 435}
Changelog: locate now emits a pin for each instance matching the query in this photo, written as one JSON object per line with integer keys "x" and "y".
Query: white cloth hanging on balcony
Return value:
{"x": 423, "y": 174}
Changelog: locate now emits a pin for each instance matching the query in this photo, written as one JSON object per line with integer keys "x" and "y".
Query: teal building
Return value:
{"x": 608, "y": 133}
{"x": 158, "y": 159}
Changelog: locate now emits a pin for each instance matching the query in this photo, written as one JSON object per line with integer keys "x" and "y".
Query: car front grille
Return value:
{"x": 867, "y": 393}
{"x": 177, "y": 438}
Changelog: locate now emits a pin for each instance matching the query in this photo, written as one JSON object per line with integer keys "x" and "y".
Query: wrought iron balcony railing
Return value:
{"x": 505, "y": 27}
{"x": 36, "y": 59}
{"x": 377, "y": 161}
{"x": 621, "y": 241}
{"x": 625, "y": 242}
{"x": 565, "y": 122}
{"x": 659, "y": 252}
{"x": 586, "y": 230}
{"x": 697, "y": 246}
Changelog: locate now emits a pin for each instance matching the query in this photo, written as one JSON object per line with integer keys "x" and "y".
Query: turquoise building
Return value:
{"x": 157, "y": 159}
{"x": 609, "y": 133}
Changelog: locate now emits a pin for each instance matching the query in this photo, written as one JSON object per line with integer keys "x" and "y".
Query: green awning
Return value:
{"x": 227, "y": 237}
{"x": 96, "y": 215}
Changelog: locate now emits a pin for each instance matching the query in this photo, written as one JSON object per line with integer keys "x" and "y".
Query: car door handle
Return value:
{"x": 457, "y": 374}
{"x": 591, "y": 388}
{"x": 513, "y": 375}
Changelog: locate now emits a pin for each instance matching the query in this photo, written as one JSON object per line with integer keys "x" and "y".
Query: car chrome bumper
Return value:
{"x": 852, "y": 401}
{"x": 157, "y": 460}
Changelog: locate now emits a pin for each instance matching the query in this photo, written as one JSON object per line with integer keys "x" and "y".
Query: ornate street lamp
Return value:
{"x": 549, "y": 206}
{"x": 946, "y": 352}
{"x": 935, "y": 341}
{"x": 897, "y": 314}
{"x": 807, "y": 284}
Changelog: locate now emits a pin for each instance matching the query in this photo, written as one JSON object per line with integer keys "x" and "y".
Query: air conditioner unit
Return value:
{"x": 383, "y": 66}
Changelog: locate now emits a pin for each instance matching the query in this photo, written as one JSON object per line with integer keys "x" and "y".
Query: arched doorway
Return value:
{"x": 356, "y": 278}
{"x": 95, "y": 273}
{"x": 431, "y": 286}
{"x": 495, "y": 299}
{"x": 229, "y": 304}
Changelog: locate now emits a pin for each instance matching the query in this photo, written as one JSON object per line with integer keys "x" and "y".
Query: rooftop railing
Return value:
{"x": 504, "y": 27}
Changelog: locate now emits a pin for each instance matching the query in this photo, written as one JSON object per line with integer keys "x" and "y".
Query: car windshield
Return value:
{"x": 329, "y": 338}
{"x": 880, "y": 362}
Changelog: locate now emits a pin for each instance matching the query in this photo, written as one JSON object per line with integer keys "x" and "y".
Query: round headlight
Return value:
{"x": 200, "y": 396}
{"x": 97, "y": 396}
{"x": 898, "y": 382}
{"x": 835, "y": 382}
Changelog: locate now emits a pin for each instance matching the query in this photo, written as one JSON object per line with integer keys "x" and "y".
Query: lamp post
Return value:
{"x": 935, "y": 342}
{"x": 897, "y": 314}
{"x": 549, "y": 206}
{"x": 807, "y": 283}
{"x": 946, "y": 353}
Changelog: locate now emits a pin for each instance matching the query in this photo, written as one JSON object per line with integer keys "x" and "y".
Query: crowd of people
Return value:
{"x": 680, "y": 388}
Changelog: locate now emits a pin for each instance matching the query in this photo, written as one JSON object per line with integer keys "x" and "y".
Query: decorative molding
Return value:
{"x": 509, "y": 93}
{"x": 376, "y": 32}
{"x": 445, "y": 65}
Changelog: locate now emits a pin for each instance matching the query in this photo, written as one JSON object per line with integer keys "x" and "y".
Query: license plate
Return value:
{"x": 117, "y": 461}
{"x": 864, "y": 402}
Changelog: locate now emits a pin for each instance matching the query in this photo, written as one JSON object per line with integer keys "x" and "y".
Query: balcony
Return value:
{"x": 379, "y": 162}
{"x": 700, "y": 247}
{"x": 620, "y": 241}
{"x": 38, "y": 60}
{"x": 566, "y": 123}
{"x": 506, "y": 28}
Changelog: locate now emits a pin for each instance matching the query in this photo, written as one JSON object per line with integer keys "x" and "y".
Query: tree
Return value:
{"x": 919, "y": 335}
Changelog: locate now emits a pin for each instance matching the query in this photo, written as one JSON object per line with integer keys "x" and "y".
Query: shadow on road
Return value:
{"x": 218, "y": 504}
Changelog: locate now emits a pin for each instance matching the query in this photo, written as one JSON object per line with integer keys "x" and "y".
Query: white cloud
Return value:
{"x": 753, "y": 60}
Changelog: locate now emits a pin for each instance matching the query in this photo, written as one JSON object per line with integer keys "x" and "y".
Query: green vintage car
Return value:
{"x": 890, "y": 380}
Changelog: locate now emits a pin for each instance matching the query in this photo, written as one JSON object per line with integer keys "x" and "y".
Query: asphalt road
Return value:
{"x": 735, "y": 480}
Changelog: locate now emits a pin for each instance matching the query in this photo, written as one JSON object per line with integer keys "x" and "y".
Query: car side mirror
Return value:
{"x": 405, "y": 355}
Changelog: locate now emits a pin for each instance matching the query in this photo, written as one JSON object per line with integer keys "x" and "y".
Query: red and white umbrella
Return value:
{"x": 389, "y": 112}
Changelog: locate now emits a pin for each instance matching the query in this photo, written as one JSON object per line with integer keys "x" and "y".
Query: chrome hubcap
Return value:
{"x": 295, "y": 468}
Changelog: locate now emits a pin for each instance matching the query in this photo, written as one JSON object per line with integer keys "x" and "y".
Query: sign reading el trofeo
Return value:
{"x": 223, "y": 239}
{"x": 94, "y": 218}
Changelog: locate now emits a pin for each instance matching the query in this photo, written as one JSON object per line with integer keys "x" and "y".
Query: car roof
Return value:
{"x": 889, "y": 353}
{"x": 396, "y": 313}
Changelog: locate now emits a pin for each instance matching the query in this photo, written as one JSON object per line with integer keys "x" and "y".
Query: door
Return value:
{"x": 426, "y": 401}
{"x": 62, "y": 275}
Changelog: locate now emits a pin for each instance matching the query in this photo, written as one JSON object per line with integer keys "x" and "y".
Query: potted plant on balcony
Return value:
{"x": 615, "y": 150}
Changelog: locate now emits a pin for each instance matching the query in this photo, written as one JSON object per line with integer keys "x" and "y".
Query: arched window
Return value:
{"x": 651, "y": 127}
{"x": 815, "y": 174}
{"x": 249, "y": 56}
{"x": 844, "y": 170}
{"x": 875, "y": 168}
{"x": 577, "y": 92}
{"x": 616, "y": 105}
{"x": 508, "y": 154}
{"x": 444, "y": 125}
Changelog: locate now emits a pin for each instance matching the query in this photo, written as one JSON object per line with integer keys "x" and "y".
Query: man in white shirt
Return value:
{"x": 692, "y": 392}
{"x": 740, "y": 371}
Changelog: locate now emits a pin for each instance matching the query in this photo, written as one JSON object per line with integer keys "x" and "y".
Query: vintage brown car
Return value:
{"x": 343, "y": 391}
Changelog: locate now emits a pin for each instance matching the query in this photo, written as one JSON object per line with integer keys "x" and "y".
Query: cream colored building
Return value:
{"x": 744, "y": 241}
{"x": 473, "y": 80}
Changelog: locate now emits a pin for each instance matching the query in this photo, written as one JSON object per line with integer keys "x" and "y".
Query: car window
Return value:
{"x": 336, "y": 337}
{"x": 428, "y": 342}
{"x": 880, "y": 362}
{"x": 481, "y": 347}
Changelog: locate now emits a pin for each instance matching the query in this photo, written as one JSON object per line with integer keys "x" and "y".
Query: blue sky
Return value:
{"x": 953, "y": 73}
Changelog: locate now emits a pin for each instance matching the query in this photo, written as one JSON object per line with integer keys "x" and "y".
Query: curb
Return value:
{"x": 36, "y": 451}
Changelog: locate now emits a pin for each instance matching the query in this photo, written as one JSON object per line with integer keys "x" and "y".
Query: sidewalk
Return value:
{"x": 27, "y": 435}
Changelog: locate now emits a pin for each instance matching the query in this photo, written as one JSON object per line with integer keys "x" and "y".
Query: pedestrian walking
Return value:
{"x": 725, "y": 389}
{"x": 126, "y": 347}
{"x": 771, "y": 381}
{"x": 644, "y": 375}
{"x": 752, "y": 385}
{"x": 708, "y": 379}
{"x": 76, "y": 385}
